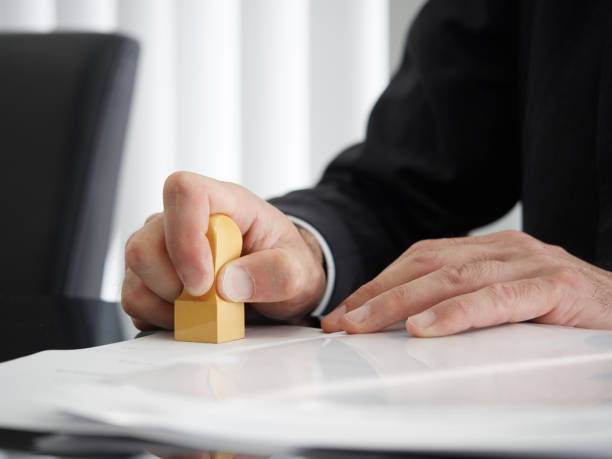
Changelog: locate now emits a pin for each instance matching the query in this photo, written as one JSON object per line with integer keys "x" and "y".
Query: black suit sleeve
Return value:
{"x": 441, "y": 152}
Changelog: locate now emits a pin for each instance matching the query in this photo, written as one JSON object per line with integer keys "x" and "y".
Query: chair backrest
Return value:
{"x": 64, "y": 106}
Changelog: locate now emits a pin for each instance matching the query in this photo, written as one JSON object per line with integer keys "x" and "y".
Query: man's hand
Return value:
{"x": 446, "y": 286}
{"x": 278, "y": 272}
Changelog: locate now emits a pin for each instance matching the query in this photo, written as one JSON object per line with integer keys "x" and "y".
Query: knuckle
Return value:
{"x": 545, "y": 258}
{"x": 557, "y": 250}
{"x": 369, "y": 290}
{"x": 179, "y": 183}
{"x": 569, "y": 277}
{"x": 502, "y": 298}
{"x": 129, "y": 301}
{"x": 234, "y": 188}
{"x": 137, "y": 254}
{"x": 457, "y": 274}
{"x": 501, "y": 292}
{"x": 152, "y": 217}
{"x": 530, "y": 243}
{"x": 425, "y": 257}
{"x": 129, "y": 241}
{"x": 433, "y": 244}
{"x": 361, "y": 295}
{"x": 183, "y": 254}
{"x": 139, "y": 324}
{"x": 463, "y": 311}
{"x": 522, "y": 239}
{"x": 534, "y": 245}
{"x": 396, "y": 296}
{"x": 424, "y": 244}
{"x": 512, "y": 234}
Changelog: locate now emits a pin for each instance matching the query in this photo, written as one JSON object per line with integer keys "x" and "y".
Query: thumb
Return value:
{"x": 272, "y": 275}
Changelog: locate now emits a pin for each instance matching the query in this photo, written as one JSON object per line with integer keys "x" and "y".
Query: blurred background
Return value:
{"x": 259, "y": 92}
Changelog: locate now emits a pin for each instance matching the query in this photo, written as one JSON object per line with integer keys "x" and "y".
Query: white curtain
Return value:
{"x": 259, "y": 92}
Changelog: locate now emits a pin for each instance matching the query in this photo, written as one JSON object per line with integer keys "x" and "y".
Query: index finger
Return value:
{"x": 408, "y": 268}
{"x": 414, "y": 297}
{"x": 189, "y": 199}
{"x": 186, "y": 211}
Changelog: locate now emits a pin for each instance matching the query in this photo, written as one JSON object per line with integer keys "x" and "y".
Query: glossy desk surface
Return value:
{"x": 518, "y": 390}
{"x": 34, "y": 322}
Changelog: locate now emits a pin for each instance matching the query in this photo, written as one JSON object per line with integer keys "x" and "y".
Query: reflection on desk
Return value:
{"x": 522, "y": 388}
{"x": 35, "y": 322}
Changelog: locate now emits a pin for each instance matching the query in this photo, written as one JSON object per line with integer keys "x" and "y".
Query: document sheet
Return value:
{"x": 519, "y": 387}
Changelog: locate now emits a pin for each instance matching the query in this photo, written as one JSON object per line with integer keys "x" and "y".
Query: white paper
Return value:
{"x": 28, "y": 385}
{"x": 521, "y": 387}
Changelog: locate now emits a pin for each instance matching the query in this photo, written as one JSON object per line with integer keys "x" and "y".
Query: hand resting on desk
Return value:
{"x": 446, "y": 286}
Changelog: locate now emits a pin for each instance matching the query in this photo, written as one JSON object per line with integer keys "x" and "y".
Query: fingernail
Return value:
{"x": 423, "y": 320}
{"x": 359, "y": 315}
{"x": 334, "y": 317}
{"x": 194, "y": 282}
{"x": 237, "y": 284}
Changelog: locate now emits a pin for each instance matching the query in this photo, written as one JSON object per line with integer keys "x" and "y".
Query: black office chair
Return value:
{"x": 64, "y": 104}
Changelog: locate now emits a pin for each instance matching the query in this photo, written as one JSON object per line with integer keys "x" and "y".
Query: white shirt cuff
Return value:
{"x": 329, "y": 262}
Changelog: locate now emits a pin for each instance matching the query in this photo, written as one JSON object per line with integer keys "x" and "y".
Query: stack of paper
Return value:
{"x": 522, "y": 387}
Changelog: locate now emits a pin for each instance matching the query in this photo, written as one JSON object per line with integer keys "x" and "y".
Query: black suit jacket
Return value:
{"x": 495, "y": 102}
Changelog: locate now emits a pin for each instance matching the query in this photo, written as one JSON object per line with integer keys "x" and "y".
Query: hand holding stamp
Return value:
{"x": 209, "y": 318}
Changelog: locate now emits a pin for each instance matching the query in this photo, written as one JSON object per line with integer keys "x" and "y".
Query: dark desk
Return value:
{"x": 47, "y": 444}
{"x": 32, "y": 323}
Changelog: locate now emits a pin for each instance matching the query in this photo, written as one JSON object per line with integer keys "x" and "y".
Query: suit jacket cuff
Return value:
{"x": 330, "y": 266}
{"x": 344, "y": 256}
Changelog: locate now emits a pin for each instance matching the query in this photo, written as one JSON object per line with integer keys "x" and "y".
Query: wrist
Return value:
{"x": 313, "y": 245}
{"x": 317, "y": 278}
{"x": 324, "y": 266}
